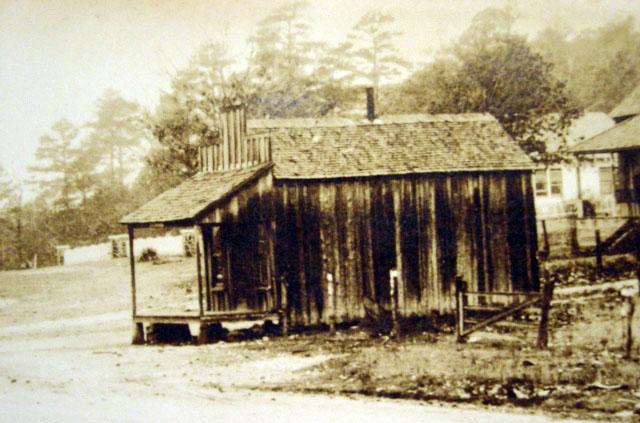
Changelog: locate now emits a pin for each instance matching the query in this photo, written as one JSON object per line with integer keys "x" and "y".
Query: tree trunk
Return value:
{"x": 111, "y": 163}
{"x": 120, "y": 166}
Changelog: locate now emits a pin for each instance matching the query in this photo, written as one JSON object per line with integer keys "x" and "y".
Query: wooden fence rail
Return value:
{"x": 502, "y": 312}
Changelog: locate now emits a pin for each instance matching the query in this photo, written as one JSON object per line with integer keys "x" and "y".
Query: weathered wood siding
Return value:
{"x": 238, "y": 239}
{"x": 431, "y": 228}
{"x": 628, "y": 183}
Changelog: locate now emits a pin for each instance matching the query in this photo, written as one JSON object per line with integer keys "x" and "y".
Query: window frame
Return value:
{"x": 544, "y": 185}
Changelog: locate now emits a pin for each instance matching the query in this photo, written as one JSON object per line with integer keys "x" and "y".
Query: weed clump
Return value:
{"x": 148, "y": 255}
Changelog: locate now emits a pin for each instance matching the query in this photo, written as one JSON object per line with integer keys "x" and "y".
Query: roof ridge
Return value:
{"x": 395, "y": 119}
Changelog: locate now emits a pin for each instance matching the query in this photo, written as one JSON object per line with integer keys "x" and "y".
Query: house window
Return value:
{"x": 540, "y": 179}
{"x": 555, "y": 181}
{"x": 606, "y": 180}
{"x": 548, "y": 182}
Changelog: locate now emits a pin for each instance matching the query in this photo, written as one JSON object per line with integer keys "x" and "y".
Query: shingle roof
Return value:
{"x": 391, "y": 145}
{"x": 623, "y": 136}
{"x": 193, "y": 196}
{"x": 342, "y": 148}
{"x": 629, "y": 106}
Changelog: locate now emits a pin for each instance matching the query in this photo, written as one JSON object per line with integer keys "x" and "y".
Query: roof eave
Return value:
{"x": 260, "y": 172}
{"x": 599, "y": 150}
{"x": 527, "y": 168}
{"x": 192, "y": 218}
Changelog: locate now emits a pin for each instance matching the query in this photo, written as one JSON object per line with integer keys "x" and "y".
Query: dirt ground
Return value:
{"x": 65, "y": 355}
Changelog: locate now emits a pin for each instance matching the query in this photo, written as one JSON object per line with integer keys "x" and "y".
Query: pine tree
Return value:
{"x": 55, "y": 154}
{"x": 116, "y": 134}
{"x": 372, "y": 50}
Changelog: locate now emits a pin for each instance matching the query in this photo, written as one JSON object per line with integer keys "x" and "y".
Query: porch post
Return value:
{"x": 199, "y": 239}
{"x": 138, "y": 327}
{"x": 132, "y": 265}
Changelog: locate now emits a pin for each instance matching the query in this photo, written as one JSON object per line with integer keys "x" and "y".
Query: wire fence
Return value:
{"x": 570, "y": 235}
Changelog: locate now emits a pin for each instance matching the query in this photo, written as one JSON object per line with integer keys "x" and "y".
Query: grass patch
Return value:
{"x": 582, "y": 374}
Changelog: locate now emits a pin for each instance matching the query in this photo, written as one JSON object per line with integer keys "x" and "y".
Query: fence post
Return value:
{"x": 573, "y": 236}
{"x": 598, "y": 253}
{"x": 460, "y": 294}
{"x": 545, "y": 306}
{"x": 332, "y": 305}
{"x": 630, "y": 308}
{"x": 545, "y": 237}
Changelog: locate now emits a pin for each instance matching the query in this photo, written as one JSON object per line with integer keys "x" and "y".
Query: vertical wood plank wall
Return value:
{"x": 247, "y": 251}
{"x": 431, "y": 228}
{"x": 232, "y": 154}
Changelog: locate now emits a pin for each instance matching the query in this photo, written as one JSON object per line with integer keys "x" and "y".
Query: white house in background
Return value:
{"x": 578, "y": 188}
{"x": 182, "y": 244}
{"x": 177, "y": 244}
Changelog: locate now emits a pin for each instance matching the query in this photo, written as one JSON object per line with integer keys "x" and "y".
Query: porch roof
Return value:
{"x": 623, "y": 136}
{"x": 195, "y": 196}
{"x": 629, "y": 106}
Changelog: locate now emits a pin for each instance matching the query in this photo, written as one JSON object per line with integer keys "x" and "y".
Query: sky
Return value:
{"x": 58, "y": 56}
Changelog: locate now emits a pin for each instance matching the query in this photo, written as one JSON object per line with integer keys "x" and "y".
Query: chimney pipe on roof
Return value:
{"x": 371, "y": 104}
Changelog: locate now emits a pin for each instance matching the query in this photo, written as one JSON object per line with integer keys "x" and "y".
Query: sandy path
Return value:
{"x": 57, "y": 367}
{"x": 98, "y": 377}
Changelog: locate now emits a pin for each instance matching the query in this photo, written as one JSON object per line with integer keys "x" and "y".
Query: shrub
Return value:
{"x": 148, "y": 254}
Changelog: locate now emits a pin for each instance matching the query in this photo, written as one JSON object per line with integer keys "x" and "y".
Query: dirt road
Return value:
{"x": 62, "y": 360}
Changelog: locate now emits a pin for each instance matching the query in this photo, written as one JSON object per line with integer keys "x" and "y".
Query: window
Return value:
{"x": 555, "y": 178}
{"x": 606, "y": 180}
{"x": 548, "y": 182}
{"x": 540, "y": 179}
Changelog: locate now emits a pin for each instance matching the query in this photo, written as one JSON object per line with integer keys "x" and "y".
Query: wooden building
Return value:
{"x": 306, "y": 218}
{"x": 624, "y": 141}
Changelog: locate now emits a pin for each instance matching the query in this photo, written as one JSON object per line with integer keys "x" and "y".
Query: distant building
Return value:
{"x": 623, "y": 140}
{"x": 117, "y": 246}
{"x": 577, "y": 186}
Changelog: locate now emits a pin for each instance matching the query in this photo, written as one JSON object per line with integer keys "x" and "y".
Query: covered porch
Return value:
{"x": 234, "y": 256}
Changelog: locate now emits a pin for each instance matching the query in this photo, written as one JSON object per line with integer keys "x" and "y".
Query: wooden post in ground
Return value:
{"x": 629, "y": 340}
{"x": 199, "y": 239}
{"x": 545, "y": 306}
{"x": 598, "y": 253}
{"x": 393, "y": 294}
{"x": 283, "y": 318}
{"x": 545, "y": 238}
{"x": 573, "y": 236}
{"x": 628, "y": 309}
{"x": 132, "y": 265}
{"x": 203, "y": 333}
{"x": 331, "y": 301}
{"x": 460, "y": 294}
{"x": 203, "y": 328}
{"x": 138, "y": 329}
{"x": 138, "y": 333}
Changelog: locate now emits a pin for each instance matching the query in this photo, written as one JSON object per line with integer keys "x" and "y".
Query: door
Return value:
{"x": 240, "y": 266}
